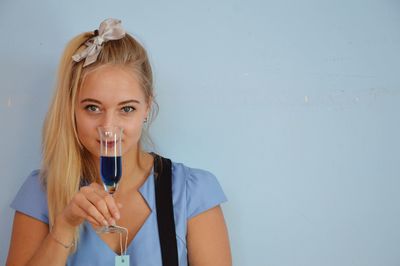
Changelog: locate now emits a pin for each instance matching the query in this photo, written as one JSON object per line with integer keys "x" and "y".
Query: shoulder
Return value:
{"x": 199, "y": 188}
{"x": 31, "y": 199}
{"x": 33, "y": 183}
{"x": 182, "y": 171}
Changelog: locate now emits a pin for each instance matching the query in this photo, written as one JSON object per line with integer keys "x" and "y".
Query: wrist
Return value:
{"x": 62, "y": 222}
{"x": 66, "y": 245}
{"x": 62, "y": 232}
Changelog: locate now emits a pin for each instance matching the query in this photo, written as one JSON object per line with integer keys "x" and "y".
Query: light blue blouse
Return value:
{"x": 194, "y": 191}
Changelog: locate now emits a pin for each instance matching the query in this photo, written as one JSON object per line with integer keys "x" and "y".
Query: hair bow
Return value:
{"x": 110, "y": 29}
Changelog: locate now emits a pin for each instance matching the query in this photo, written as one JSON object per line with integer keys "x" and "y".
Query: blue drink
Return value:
{"x": 110, "y": 166}
{"x": 111, "y": 171}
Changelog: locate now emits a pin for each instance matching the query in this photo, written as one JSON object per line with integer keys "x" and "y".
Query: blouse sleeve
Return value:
{"x": 203, "y": 192}
{"x": 31, "y": 198}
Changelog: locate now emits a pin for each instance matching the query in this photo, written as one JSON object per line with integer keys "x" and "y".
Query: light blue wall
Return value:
{"x": 294, "y": 105}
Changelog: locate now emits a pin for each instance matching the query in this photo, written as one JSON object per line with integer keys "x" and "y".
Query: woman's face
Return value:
{"x": 110, "y": 95}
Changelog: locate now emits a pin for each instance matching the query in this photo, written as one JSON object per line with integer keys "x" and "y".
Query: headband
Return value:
{"x": 109, "y": 29}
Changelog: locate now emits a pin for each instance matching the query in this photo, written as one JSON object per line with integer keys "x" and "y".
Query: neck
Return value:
{"x": 136, "y": 166}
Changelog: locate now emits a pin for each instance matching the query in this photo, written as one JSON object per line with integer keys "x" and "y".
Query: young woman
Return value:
{"x": 105, "y": 79}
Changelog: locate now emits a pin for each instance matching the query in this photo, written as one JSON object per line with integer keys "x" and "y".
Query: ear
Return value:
{"x": 148, "y": 108}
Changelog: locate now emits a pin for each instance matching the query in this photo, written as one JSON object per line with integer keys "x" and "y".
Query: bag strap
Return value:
{"x": 165, "y": 210}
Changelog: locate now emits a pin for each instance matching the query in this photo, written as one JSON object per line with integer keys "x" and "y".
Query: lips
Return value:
{"x": 109, "y": 144}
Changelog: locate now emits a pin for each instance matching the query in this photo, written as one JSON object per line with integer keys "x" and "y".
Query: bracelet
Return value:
{"x": 61, "y": 243}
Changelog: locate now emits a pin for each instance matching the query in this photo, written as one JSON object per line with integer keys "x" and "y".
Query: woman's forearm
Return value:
{"x": 56, "y": 247}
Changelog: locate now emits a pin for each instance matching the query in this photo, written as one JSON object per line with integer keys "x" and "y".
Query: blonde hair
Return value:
{"x": 66, "y": 164}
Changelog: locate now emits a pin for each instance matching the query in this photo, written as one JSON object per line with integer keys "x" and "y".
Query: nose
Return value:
{"x": 109, "y": 119}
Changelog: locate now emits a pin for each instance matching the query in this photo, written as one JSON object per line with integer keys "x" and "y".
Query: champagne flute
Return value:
{"x": 110, "y": 165}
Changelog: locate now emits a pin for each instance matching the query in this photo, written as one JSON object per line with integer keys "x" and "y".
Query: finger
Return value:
{"x": 92, "y": 221}
{"x": 80, "y": 212}
{"x": 86, "y": 189}
{"x": 95, "y": 185}
{"x": 111, "y": 204}
{"x": 110, "y": 201}
{"x": 90, "y": 209}
{"x": 101, "y": 205}
{"x": 75, "y": 214}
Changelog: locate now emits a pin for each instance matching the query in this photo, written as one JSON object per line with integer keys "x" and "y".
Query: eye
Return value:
{"x": 128, "y": 109}
{"x": 92, "y": 108}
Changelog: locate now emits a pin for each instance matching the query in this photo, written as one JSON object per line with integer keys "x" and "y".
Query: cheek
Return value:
{"x": 132, "y": 133}
{"x": 85, "y": 129}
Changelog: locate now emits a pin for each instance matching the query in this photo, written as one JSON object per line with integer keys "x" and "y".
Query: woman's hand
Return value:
{"x": 92, "y": 203}
{"x": 33, "y": 244}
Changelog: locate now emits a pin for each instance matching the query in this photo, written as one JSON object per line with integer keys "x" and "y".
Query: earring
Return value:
{"x": 145, "y": 120}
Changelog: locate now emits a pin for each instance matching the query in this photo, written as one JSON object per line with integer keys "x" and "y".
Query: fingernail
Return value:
{"x": 112, "y": 222}
{"x": 105, "y": 222}
{"x": 117, "y": 216}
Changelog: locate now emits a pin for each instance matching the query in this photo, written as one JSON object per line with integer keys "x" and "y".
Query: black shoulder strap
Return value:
{"x": 165, "y": 210}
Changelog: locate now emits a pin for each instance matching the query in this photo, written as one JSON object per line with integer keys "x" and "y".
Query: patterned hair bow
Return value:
{"x": 110, "y": 29}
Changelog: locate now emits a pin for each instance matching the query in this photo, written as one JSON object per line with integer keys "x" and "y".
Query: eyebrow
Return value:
{"x": 98, "y": 102}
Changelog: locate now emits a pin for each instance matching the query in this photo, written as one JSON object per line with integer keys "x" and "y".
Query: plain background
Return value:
{"x": 293, "y": 105}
